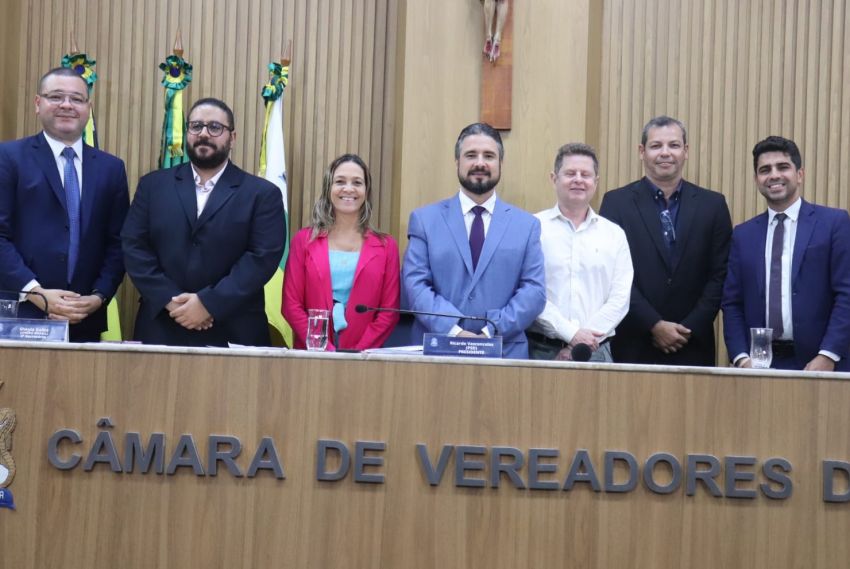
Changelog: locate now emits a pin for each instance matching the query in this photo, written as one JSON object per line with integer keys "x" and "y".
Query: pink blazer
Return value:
{"x": 307, "y": 284}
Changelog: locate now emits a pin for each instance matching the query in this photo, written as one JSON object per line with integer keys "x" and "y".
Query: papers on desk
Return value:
{"x": 406, "y": 350}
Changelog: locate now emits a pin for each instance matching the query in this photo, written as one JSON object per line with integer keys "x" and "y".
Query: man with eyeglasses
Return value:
{"x": 201, "y": 240}
{"x": 679, "y": 236}
{"x": 62, "y": 204}
{"x": 588, "y": 266}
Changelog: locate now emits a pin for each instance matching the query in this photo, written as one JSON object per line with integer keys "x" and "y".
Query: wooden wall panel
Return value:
{"x": 339, "y": 98}
{"x": 442, "y": 47}
{"x": 734, "y": 72}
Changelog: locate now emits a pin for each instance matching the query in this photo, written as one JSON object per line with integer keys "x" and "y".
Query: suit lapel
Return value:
{"x": 371, "y": 248}
{"x": 221, "y": 193}
{"x": 805, "y": 228}
{"x": 499, "y": 222}
{"x": 47, "y": 162}
{"x": 649, "y": 213}
{"x": 317, "y": 253}
{"x": 453, "y": 217}
{"x": 756, "y": 253}
{"x": 184, "y": 185}
{"x": 89, "y": 187}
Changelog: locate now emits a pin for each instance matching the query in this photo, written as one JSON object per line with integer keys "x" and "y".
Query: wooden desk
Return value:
{"x": 103, "y": 519}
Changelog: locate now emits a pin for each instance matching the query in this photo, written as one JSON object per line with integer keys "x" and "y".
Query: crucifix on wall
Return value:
{"x": 497, "y": 64}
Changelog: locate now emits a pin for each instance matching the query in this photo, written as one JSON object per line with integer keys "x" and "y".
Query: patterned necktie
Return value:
{"x": 774, "y": 303}
{"x": 476, "y": 235}
{"x": 667, "y": 229}
{"x": 72, "y": 199}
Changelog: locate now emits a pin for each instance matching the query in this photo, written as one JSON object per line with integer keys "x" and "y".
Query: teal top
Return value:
{"x": 343, "y": 264}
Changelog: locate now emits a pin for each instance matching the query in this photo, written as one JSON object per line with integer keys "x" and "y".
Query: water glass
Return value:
{"x": 317, "y": 329}
{"x": 761, "y": 349}
{"x": 8, "y": 308}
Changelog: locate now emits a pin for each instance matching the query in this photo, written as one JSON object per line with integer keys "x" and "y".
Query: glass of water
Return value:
{"x": 761, "y": 349}
{"x": 8, "y": 308}
{"x": 317, "y": 329}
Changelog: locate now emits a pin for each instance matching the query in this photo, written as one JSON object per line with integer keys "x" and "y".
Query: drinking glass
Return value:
{"x": 317, "y": 329}
{"x": 8, "y": 308}
{"x": 761, "y": 350}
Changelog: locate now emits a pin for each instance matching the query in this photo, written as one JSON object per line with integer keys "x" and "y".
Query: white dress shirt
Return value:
{"x": 203, "y": 191}
{"x": 466, "y": 205}
{"x": 588, "y": 275}
{"x": 56, "y": 147}
{"x": 793, "y": 213}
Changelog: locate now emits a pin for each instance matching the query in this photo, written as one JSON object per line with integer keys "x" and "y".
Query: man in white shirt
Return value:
{"x": 588, "y": 265}
{"x": 789, "y": 270}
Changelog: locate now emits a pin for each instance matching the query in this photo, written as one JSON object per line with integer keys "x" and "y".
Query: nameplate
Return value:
{"x": 442, "y": 345}
{"x": 33, "y": 330}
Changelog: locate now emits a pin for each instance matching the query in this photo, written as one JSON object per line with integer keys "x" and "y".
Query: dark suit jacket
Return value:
{"x": 820, "y": 284}
{"x": 684, "y": 287}
{"x": 34, "y": 232}
{"x": 226, "y": 256}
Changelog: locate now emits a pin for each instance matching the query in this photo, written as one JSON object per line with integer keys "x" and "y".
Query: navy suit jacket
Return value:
{"x": 684, "y": 287}
{"x": 226, "y": 256}
{"x": 34, "y": 232}
{"x": 507, "y": 286}
{"x": 820, "y": 284}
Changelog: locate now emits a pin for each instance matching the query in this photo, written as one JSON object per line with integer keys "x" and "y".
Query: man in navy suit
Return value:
{"x": 62, "y": 205}
{"x": 201, "y": 240}
{"x": 475, "y": 255}
{"x": 789, "y": 270}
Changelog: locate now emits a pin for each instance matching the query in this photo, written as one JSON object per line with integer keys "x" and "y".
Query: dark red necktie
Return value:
{"x": 476, "y": 235}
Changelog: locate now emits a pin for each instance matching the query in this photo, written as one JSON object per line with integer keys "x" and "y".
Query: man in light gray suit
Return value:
{"x": 475, "y": 255}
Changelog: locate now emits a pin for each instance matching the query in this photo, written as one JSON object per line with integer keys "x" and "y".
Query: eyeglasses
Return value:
{"x": 214, "y": 128}
{"x": 59, "y": 98}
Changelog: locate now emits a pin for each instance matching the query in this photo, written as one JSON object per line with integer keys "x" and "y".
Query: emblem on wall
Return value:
{"x": 7, "y": 463}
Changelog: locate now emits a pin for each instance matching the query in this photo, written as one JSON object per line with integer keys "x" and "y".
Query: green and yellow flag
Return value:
{"x": 273, "y": 169}
{"x": 177, "y": 74}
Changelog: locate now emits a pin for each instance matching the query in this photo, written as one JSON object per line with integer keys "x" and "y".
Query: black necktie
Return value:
{"x": 774, "y": 303}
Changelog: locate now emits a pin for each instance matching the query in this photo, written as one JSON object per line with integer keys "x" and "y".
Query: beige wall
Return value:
{"x": 442, "y": 72}
{"x": 735, "y": 72}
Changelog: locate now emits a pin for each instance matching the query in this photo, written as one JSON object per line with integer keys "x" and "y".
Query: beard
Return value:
{"x": 212, "y": 160}
{"x": 478, "y": 188}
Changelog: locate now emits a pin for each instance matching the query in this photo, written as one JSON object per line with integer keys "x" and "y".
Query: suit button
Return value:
{"x": 669, "y": 281}
{"x": 471, "y": 296}
{"x": 195, "y": 243}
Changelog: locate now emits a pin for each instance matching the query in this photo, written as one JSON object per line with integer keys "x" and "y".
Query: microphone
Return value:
{"x": 581, "y": 353}
{"x": 20, "y": 292}
{"x": 361, "y": 308}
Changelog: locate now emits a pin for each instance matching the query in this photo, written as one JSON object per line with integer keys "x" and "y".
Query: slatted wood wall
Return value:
{"x": 340, "y": 98}
{"x": 734, "y": 72}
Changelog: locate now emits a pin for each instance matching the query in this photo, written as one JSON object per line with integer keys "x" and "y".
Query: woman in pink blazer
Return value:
{"x": 340, "y": 261}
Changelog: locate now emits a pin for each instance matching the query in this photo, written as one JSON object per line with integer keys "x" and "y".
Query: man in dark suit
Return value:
{"x": 62, "y": 205}
{"x": 678, "y": 236}
{"x": 201, "y": 240}
{"x": 789, "y": 270}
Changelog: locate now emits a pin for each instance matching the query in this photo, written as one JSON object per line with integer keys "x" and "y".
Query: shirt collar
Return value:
{"x": 793, "y": 211}
{"x": 57, "y": 146}
{"x": 555, "y": 213}
{"x": 657, "y": 193}
{"x": 466, "y": 203}
{"x": 212, "y": 181}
